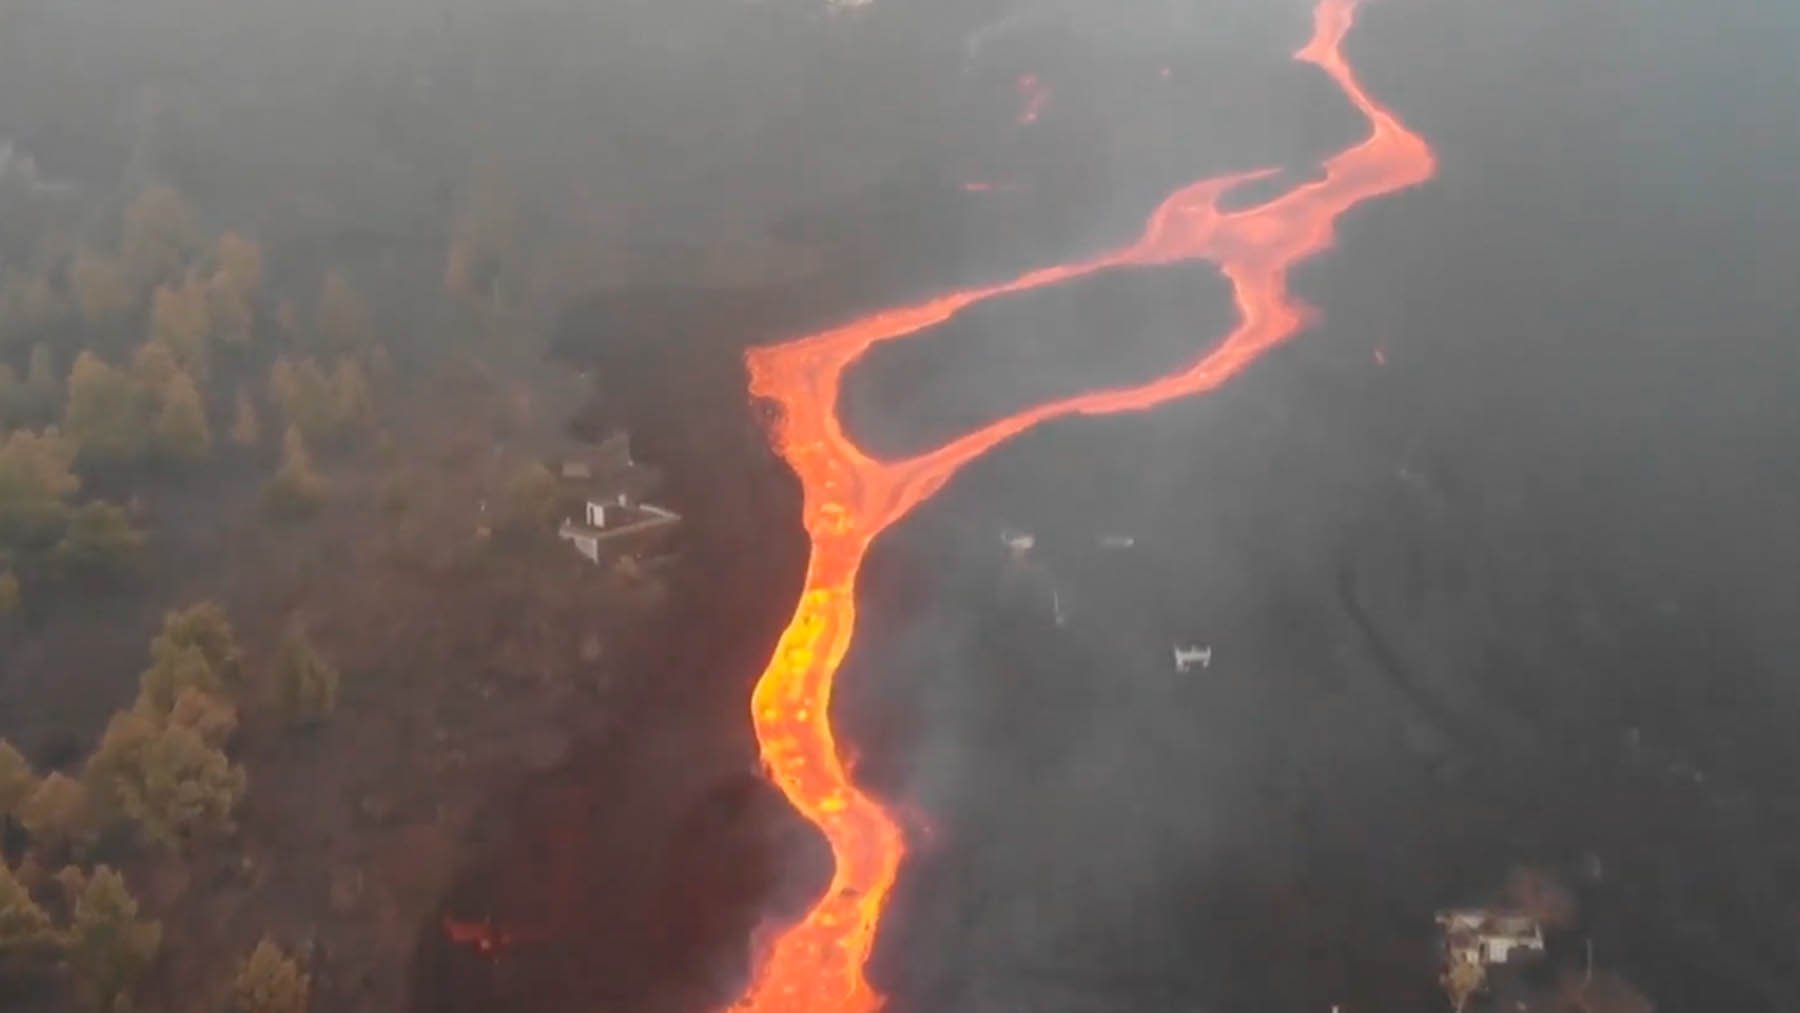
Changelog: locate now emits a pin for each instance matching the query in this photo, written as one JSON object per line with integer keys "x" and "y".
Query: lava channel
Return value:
{"x": 816, "y": 964}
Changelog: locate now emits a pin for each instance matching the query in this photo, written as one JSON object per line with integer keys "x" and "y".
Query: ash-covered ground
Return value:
{"x": 1494, "y": 563}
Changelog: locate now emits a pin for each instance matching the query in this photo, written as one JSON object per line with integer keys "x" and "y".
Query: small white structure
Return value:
{"x": 22, "y": 168}
{"x": 1486, "y": 938}
{"x": 1018, "y": 542}
{"x": 1192, "y": 654}
{"x": 604, "y": 520}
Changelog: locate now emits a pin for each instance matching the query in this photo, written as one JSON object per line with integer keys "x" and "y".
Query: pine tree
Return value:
{"x": 99, "y": 542}
{"x": 181, "y": 430}
{"x": 269, "y": 981}
{"x": 154, "y": 367}
{"x": 181, "y": 319}
{"x": 108, "y": 413}
{"x": 29, "y": 942}
{"x": 59, "y": 815}
{"x": 165, "y": 779}
{"x": 159, "y": 236}
{"x": 239, "y": 262}
{"x": 205, "y": 627}
{"x": 175, "y": 670}
{"x": 296, "y": 490}
{"x": 110, "y": 948}
{"x": 104, "y": 290}
{"x": 306, "y": 685}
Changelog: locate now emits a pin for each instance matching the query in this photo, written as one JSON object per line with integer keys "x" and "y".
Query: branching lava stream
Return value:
{"x": 816, "y": 965}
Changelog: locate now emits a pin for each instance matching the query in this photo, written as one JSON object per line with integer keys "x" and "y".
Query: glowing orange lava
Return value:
{"x": 816, "y": 965}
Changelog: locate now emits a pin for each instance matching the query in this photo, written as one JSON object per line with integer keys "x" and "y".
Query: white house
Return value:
{"x": 1483, "y": 937}
{"x": 603, "y": 520}
{"x": 1192, "y": 654}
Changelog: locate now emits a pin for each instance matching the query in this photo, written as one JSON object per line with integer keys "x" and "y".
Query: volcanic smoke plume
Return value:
{"x": 850, "y": 497}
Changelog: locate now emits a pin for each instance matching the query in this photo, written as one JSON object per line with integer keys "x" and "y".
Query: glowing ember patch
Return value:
{"x": 816, "y": 965}
{"x": 1034, "y": 96}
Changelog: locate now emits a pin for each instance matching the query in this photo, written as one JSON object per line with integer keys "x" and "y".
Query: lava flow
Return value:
{"x": 816, "y": 965}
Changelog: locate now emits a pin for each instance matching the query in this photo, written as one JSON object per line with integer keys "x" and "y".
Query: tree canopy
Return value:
{"x": 306, "y": 685}
{"x": 110, "y": 948}
{"x": 108, "y": 413}
{"x": 269, "y": 981}
{"x": 165, "y": 779}
{"x": 29, "y": 941}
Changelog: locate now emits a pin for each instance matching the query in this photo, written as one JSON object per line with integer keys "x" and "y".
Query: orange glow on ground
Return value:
{"x": 816, "y": 964}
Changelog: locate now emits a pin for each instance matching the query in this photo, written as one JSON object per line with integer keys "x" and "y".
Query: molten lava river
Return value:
{"x": 816, "y": 964}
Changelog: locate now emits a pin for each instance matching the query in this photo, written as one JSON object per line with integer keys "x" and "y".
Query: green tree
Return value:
{"x": 202, "y": 626}
{"x": 36, "y": 478}
{"x": 154, "y": 367}
{"x": 108, "y": 414}
{"x": 159, "y": 236}
{"x": 10, "y": 595}
{"x": 165, "y": 779}
{"x": 17, "y": 781}
{"x": 296, "y": 490}
{"x": 343, "y": 319}
{"x": 307, "y": 398}
{"x": 239, "y": 262}
{"x": 59, "y": 815}
{"x": 181, "y": 430}
{"x": 269, "y": 981}
{"x": 306, "y": 685}
{"x": 104, "y": 290}
{"x": 181, "y": 319}
{"x": 173, "y": 671}
{"x": 110, "y": 948}
{"x": 231, "y": 292}
{"x": 99, "y": 542}
{"x": 208, "y": 715}
{"x": 246, "y": 430}
{"x": 29, "y": 942}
